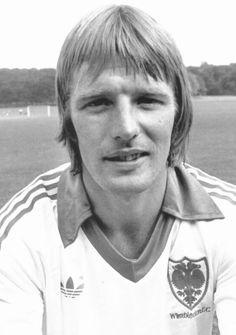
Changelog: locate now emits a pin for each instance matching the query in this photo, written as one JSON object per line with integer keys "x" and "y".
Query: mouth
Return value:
{"x": 126, "y": 156}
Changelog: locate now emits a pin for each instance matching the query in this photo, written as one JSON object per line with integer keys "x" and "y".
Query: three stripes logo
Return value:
{"x": 69, "y": 290}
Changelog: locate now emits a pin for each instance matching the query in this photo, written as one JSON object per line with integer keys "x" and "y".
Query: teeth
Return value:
{"x": 128, "y": 158}
{"x": 132, "y": 157}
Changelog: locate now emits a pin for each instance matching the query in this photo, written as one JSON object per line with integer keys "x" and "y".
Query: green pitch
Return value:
{"x": 213, "y": 137}
{"x": 28, "y": 148}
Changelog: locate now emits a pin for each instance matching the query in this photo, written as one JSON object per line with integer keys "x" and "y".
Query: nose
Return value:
{"x": 125, "y": 125}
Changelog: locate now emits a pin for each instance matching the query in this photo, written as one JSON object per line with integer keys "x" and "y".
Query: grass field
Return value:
{"x": 28, "y": 145}
{"x": 213, "y": 137}
{"x": 28, "y": 148}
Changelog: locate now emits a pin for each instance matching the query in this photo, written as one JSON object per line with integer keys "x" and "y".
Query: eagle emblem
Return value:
{"x": 188, "y": 280}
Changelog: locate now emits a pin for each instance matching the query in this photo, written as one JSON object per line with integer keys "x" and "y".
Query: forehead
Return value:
{"x": 114, "y": 79}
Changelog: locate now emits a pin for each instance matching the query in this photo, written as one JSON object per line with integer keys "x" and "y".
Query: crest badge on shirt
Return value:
{"x": 188, "y": 280}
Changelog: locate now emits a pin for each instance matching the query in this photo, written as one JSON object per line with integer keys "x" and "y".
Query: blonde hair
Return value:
{"x": 115, "y": 35}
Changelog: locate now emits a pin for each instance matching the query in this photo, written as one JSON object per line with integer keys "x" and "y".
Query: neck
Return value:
{"x": 127, "y": 219}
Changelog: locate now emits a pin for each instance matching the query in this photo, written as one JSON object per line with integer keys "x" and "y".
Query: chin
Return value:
{"x": 129, "y": 185}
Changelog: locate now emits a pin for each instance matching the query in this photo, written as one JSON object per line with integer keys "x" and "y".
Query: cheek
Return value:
{"x": 82, "y": 127}
{"x": 89, "y": 136}
{"x": 161, "y": 128}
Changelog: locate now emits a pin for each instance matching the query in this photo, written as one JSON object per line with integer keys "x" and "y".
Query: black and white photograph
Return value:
{"x": 117, "y": 167}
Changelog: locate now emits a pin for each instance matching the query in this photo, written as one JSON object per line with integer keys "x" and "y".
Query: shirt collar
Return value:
{"x": 72, "y": 206}
{"x": 184, "y": 198}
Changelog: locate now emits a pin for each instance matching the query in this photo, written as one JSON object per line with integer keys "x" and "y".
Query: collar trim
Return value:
{"x": 131, "y": 269}
{"x": 184, "y": 199}
{"x": 72, "y": 206}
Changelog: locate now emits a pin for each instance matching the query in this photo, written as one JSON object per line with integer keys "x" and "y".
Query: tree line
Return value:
{"x": 213, "y": 80}
{"x": 21, "y": 87}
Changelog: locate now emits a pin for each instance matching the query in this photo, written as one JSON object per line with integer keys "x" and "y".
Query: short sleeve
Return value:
{"x": 225, "y": 295}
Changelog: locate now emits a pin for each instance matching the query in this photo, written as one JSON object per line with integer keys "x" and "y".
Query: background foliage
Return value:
{"x": 21, "y": 87}
{"x": 213, "y": 80}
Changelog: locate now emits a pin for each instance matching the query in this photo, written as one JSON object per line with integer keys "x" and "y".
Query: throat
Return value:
{"x": 129, "y": 242}
{"x": 129, "y": 249}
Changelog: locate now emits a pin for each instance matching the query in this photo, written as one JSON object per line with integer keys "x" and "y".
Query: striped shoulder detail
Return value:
{"x": 44, "y": 186}
{"x": 214, "y": 186}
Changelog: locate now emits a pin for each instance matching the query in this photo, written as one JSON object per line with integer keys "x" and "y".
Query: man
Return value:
{"x": 127, "y": 239}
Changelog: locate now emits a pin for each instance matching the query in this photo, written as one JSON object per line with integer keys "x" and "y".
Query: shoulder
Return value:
{"x": 223, "y": 195}
{"x": 218, "y": 234}
{"x": 32, "y": 204}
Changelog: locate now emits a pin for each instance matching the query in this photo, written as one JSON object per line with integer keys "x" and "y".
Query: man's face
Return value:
{"x": 124, "y": 125}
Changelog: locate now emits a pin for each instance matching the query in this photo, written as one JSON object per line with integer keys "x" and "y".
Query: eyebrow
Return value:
{"x": 94, "y": 94}
{"x": 98, "y": 93}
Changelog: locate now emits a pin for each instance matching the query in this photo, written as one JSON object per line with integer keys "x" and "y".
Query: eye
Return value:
{"x": 99, "y": 102}
{"x": 149, "y": 101}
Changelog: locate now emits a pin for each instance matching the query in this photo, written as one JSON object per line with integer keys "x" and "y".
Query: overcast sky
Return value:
{"x": 32, "y": 31}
